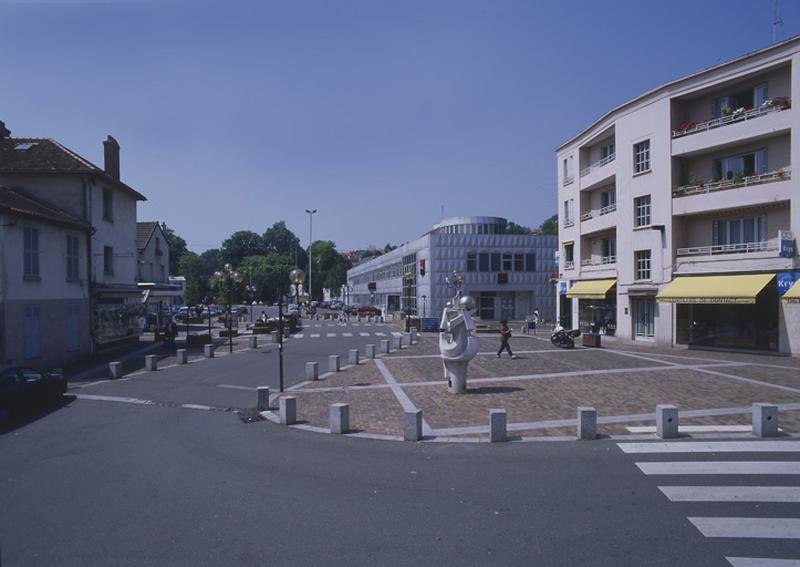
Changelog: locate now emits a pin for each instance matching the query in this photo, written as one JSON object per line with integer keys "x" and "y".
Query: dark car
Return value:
{"x": 22, "y": 387}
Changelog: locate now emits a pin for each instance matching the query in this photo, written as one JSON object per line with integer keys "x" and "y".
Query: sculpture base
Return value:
{"x": 456, "y": 374}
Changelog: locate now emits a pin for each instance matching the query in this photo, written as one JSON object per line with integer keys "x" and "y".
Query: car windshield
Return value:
{"x": 31, "y": 375}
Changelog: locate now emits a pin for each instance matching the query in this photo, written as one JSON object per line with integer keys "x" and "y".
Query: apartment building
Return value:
{"x": 678, "y": 209}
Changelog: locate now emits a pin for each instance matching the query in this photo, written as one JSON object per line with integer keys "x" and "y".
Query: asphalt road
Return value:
{"x": 95, "y": 482}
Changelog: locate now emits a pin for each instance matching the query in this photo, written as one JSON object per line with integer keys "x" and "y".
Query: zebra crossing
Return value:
{"x": 326, "y": 335}
{"x": 766, "y": 473}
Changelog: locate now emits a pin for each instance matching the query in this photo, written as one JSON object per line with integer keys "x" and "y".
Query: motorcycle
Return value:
{"x": 564, "y": 338}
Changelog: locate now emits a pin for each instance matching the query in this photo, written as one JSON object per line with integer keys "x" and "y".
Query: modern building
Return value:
{"x": 508, "y": 274}
{"x": 44, "y": 282}
{"x": 677, "y": 210}
{"x": 56, "y": 176}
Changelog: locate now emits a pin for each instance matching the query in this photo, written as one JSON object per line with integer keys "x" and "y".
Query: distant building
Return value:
{"x": 507, "y": 274}
{"x": 153, "y": 252}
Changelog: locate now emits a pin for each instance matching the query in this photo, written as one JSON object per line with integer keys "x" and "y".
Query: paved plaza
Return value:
{"x": 542, "y": 388}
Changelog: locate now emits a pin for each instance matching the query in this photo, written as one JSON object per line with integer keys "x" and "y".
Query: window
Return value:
{"x": 73, "y": 327}
{"x": 609, "y": 248}
{"x": 739, "y": 231}
{"x": 508, "y": 262}
{"x": 30, "y": 252}
{"x": 519, "y": 262}
{"x": 569, "y": 212}
{"x": 108, "y": 259}
{"x": 32, "y": 332}
{"x": 163, "y": 276}
{"x": 608, "y": 198}
{"x": 495, "y": 262}
{"x": 530, "y": 262}
{"x": 607, "y": 150}
{"x": 108, "y": 205}
{"x": 760, "y": 94}
{"x": 744, "y": 165}
{"x": 568, "y": 170}
{"x": 568, "y": 252}
{"x": 641, "y": 157}
{"x": 483, "y": 262}
{"x": 472, "y": 262}
{"x": 641, "y": 211}
{"x": 642, "y": 264}
{"x": 73, "y": 258}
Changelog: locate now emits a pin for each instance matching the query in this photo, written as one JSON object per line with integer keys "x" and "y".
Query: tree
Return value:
{"x": 213, "y": 259}
{"x": 177, "y": 248}
{"x": 241, "y": 244}
{"x": 550, "y": 226}
{"x": 329, "y": 268}
{"x": 514, "y": 228}
{"x": 194, "y": 268}
{"x": 280, "y": 240}
{"x": 389, "y": 248}
{"x": 269, "y": 274}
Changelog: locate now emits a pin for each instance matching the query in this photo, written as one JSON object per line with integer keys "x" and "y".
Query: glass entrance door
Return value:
{"x": 644, "y": 317}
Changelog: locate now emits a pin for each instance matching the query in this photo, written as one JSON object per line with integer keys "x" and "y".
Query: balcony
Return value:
{"x": 738, "y": 115}
{"x": 597, "y": 165}
{"x": 783, "y": 174}
{"x": 740, "y": 248}
{"x": 568, "y": 180}
{"x": 569, "y": 222}
{"x": 569, "y": 265}
{"x": 605, "y": 260}
{"x": 594, "y": 213}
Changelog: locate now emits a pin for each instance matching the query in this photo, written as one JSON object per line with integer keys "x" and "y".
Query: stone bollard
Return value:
{"x": 312, "y": 371}
{"x": 370, "y": 351}
{"x": 765, "y": 420}
{"x": 666, "y": 421}
{"x": 208, "y": 351}
{"x": 274, "y": 335}
{"x": 116, "y": 369}
{"x": 413, "y": 336}
{"x": 352, "y": 356}
{"x": 288, "y": 410}
{"x": 497, "y": 425}
{"x": 587, "y": 423}
{"x": 412, "y": 425}
{"x": 398, "y": 343}
{"x": 340, "y": 418}
{"x": 183, "y": 356}
{"x": 252, "y": 341}
{"x": 263, "y": 398}
{"x": 333, "y": 363}
{"x": 385, "y": 346}
{"x": 151, "y": 362}
{"x": 369, "y": 318}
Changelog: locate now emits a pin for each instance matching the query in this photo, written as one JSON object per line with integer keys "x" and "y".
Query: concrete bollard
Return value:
{"x": 182, "y": 355}
{"x": 397, "y": 343}
{"x": 369, "y": 318}
{"x": 587, "y": 423}
{"x": 413, "y": 336}
{"x": 352, "y": 356}
{"x": 385, "y": 346}
{"x": 208, "y": 351}
{"x": 151, "y": 362}
{"x": 274, "y": 335}
{"x": 312, "y": 371}
{"x": 412, "y": 425}
{"x": 666, "y": 421}
{"x": 288, "y": 410}
{"x": 333, "y": 363}
{"x": 252, "y": 341}
{"x": 497, "y": 425}
{"x": 263, "y": 398}
{"x": 116, "y": 369}
{"x": 765, "y": 420}
{"x": 340, "y": 418}
{"x": 370, "y": 351}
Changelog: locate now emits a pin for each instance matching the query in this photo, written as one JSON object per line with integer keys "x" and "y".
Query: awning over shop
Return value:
{"x": 715, "y": 289}
{"x": 793, "y": 294}
{"x": 590, "y": 289}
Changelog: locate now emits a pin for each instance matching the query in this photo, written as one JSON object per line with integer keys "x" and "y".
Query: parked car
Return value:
{"x": 22, "y": 387}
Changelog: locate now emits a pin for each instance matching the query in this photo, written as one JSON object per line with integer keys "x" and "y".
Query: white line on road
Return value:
{"x": 119, "y": 399}
{"x": 347, "y": 334}
{"x": 363, "y": 334}
{"x": 772, "y": 528}
{"x": 314, "y": 335}
{"x": 695, "y": 428}
{"x": 378, "y": 334}
{"x": 236, "y": 387}
{"x": 329, "y": 335}
{"x": 762, "y": 562}
{"x": 720, "y": 467}
{"x": 197, "y": 406}
{"x": 299, "y": 336}
{"x": 713, "y": 447}
{"x": 731, "y": 493}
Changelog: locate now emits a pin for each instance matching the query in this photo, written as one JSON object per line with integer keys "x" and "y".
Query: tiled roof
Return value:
{"x": 15, "y": 201}
{"x": 144, "y": 230}
{"x": 45, "y": 155}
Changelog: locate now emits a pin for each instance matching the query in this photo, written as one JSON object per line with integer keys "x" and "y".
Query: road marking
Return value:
{"x": 377, "y": 334}
{"x": 720, "y": 467}
{"x": 731, "y": 493}
{"x": 236, "y": 387}
{"x": 314, "y": 335}
{"x": 347, "y": 334}
{"x": 299, "y": 336}
{"x": 329, "y": 335}
{"x": 119, "y": 399}
{"x": 695, "y": 428}
{"x": 363, "y": 334}
{"x": 401, "y": 396}
{"x": 396, "y": 334}
{"x": 712, "y": 447}
{"x": 197, "y": 406}
{"x": 762, "y": 562}
{"x": 771, "y": 528}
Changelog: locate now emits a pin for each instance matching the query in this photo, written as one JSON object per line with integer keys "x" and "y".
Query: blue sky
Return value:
{"x": 232, "y": 115}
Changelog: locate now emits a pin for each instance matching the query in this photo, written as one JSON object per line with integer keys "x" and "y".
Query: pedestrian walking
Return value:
{"x": 535, "y": 320}
{"x": 171, "y": 332}
{"x": 505, "y": 334}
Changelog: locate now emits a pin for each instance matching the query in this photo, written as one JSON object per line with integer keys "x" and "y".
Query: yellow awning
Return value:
{"x": 793, "y": 294}
{"x": 715, "y": 289}
{"x": 590, "y": 289}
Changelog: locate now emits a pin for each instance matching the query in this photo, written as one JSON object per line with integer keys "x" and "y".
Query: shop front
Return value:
{"x": 116, "y": 316}
{"x": 597, "y": 305}
{"x": 728, "y": 311}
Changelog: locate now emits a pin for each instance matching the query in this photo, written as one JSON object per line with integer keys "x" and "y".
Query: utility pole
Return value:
{"x": 310, "y": 242}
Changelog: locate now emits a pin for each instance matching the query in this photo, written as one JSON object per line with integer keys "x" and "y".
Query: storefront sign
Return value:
{"x": 562, "y": 288}
{"x": 429, "y": 325}
{"x": 787, "y": 243}
{"x": 785, "y": 280}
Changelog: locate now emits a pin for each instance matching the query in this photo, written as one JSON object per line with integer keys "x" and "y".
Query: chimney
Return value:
{"x": 111, "y": 154}
{"x": 4, "y": 132}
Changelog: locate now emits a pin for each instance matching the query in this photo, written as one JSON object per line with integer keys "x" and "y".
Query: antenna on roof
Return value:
{"x": 776, "y": 22}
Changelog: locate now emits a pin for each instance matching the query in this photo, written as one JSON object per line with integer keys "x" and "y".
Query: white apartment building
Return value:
{"x": 677, "y": 210}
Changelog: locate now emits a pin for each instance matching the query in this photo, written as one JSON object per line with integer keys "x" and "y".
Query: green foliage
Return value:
{"x": 388, "y": 248}
{"x": 514, "y": 228}
{"x": 280, "y": 240}
{"x": 195, "y": 269}
{"x": 329, "y": 268}
{"x": 241, "y": 244}
{"x": 269, "y": 273}
{"x": 177, "y": 248}
{"x": 550, "y": 226}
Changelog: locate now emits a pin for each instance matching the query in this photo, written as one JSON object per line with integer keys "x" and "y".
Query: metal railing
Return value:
{"x": 703, "y": 188}
{"x": 598, "y": 164}
{"x": 588, "y": 215}
{"x": 732, "y": 118}
{"x": 569, "y": 222}
{"x": 603, "y": 261}
{"x": 740, "y": 248}
{"x": 568, "y": 180}
{"x": 569, "y": 265}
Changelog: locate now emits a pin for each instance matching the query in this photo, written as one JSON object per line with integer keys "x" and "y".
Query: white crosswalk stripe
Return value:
{"x": 770, "y": 528}
{"x": 347, "y": 334}
{"x": 379, "y": 334}
{"x": 298, "y": 336}
{"x": 329, "y": 335}
{"x": 713, "y": 447}
{"x": 363, "y": 334}
{"x": 732, "y": 493}
{"x": 314, "y": 335}
{"x": 720, "y": 467}
{"x": 762, "y": 562}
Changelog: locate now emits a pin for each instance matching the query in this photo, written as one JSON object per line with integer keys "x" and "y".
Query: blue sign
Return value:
{"x": 785, "y": 280}
{"x": 429, "y": 325}
{"x": 787, "y": 244}
{"x": 562, "y": 288}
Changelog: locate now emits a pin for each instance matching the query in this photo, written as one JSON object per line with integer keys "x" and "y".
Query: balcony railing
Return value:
{"x": 780, "y": 175}
{"x": 569, "y": 222}
{"x": 598, "y": 164}
{"x": 604, "y": 260}
{"x": 588, "y": 215}
{"x": 569, "y": 265}
{"x": 568, "y": 179}
{"x": 739, "y": 115}
{"x": 741, "y": 248}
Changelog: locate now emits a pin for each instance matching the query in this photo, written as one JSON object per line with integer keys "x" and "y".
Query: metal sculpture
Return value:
{"x": 457, "y": 341}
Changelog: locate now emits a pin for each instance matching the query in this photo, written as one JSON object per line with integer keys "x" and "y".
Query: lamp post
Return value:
{"x": 229, "y": 277}
{"x": 251, "y": 293}
{"x": 297, "y": 277}
{"x": 310, "y": 242}
{"x": 424, "y": 305}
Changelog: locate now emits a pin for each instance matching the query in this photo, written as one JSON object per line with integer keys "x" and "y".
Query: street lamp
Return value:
{"x": 310, "y": 242}
{"x": 296, "y": 277}
{"x": 251, "y": 293}
{"x": 424, "y": 305}
{"x": 229, "y": 277}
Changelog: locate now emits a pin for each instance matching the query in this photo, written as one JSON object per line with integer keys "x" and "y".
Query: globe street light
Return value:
{"x": 229, "y": 277}
{"x": 310, "y": 242}
{"x": 297, "y": 277}
{"x": 251, "y": 293}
